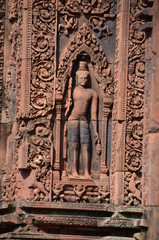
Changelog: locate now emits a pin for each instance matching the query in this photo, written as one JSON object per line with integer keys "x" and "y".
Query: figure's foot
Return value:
{"x": 87, "y": 175}
{"x": 75, "y": 174}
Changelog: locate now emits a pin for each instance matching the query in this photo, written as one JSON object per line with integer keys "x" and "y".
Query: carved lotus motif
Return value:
{"x": 45, "y": 75}
{"x": 39, "y": 102}
{"x": 47, "y": 11}
{"x": 42, "y": 131}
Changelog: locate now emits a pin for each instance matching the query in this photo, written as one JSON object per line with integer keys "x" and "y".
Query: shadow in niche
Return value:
{"x": 89, "y": 231}
{"x": 92, "y": 84}
{"x": 109, "y": 141}
{"x": 25, "y": 173}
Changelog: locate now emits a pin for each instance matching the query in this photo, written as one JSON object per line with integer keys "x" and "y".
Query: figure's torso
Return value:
{"x": 81, "y": 98}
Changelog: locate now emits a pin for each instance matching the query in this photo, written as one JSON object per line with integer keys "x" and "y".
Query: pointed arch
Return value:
{"x": 86, "y": 42}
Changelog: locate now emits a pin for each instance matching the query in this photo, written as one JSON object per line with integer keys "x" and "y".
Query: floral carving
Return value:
{"x": 44, "y": 15}
{"x": 72, "y": 6}
{"x": 87, "y": 6}
{"x": 43, "y": 50}
{"x": 37, "y": 163}
{"x": 42, "y": 78}
{"x": 11, "y": 99}
{"x": 13, "y": 14}
{"x": 37, "y": 133}
{"x": 135, "y": 104}
{"x": 85, "y": 41}
{"x": 10, "y": 84}
{"x": 33, "y": 145}
{"x": 101, "y": 12}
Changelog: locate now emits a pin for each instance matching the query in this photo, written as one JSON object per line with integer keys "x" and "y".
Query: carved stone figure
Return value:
{"x": 79, "y": 190}
{"x": 58, "y": 192}
{"x": 69, "y": 23}
{"x": 84, "y": 99}
{"x": 103, "y": 194}
{"x": 134, "y": 191}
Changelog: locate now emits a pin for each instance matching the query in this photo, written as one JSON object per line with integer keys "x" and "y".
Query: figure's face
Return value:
{"x": 82, "y": 78}
{"x": 58, "y": 186}
{"x": 79, "y": 188}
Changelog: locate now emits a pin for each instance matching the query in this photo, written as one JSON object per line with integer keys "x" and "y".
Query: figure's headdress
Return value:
{"x": 83, "y": 66}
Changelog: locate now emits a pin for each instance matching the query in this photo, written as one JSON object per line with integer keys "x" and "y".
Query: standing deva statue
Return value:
{"x": 84, "y": 99}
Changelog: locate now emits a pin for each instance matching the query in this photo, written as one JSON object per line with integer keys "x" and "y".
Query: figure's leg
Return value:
{"x": 131, "y": 196}
{"x": 73, "y": 145}
{"x": 85, "y": 146}
{"x": 86, "y": 159}
{"x": 74, "y": 159}
{"x": 137, "y": 195}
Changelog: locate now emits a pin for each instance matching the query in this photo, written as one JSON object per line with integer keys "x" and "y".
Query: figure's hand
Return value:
{"x": 98, "y": 143}
{"x": 68, "y": 102}
{"x": 96, "y": 137}
{"x": 98, "y": 149}
{"x": 68, "y": 105}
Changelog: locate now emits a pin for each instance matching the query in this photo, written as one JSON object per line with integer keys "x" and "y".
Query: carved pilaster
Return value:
{"x": 26, "y": 57}
{"x": 123, "y": 58}
{"x": 119, "y": 108}
{"x": 2, "y": 28}
{"x": 107, "y": 102}
{"x": 56, "y": 165}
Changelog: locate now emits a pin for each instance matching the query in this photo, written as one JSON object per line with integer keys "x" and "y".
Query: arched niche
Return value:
{"x": 102, "y": 83}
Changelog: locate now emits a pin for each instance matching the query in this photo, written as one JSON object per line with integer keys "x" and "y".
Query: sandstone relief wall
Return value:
{"x": 78, "y": 118}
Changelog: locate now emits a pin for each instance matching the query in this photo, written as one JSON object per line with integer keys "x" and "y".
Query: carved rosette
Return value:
{"x": 135, "y": 108}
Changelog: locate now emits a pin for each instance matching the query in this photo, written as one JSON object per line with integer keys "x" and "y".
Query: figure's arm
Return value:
{"x": 94, "y": 113}
{"x": 84, "y": 189}
{"x": 94, "y": 106}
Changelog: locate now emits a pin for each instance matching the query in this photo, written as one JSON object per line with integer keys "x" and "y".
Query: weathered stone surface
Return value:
{"x": 79, "y": 119}
{"x": 154, "y": 170}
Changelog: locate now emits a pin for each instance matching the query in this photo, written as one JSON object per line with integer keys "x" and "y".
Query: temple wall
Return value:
{"x": 79, "y": 119}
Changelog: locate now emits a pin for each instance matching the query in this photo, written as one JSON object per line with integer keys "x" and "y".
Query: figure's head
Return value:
{"x": 82, "y": 75}
{"x": 79, "y": 187}
{"x": 58, "y": 186}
